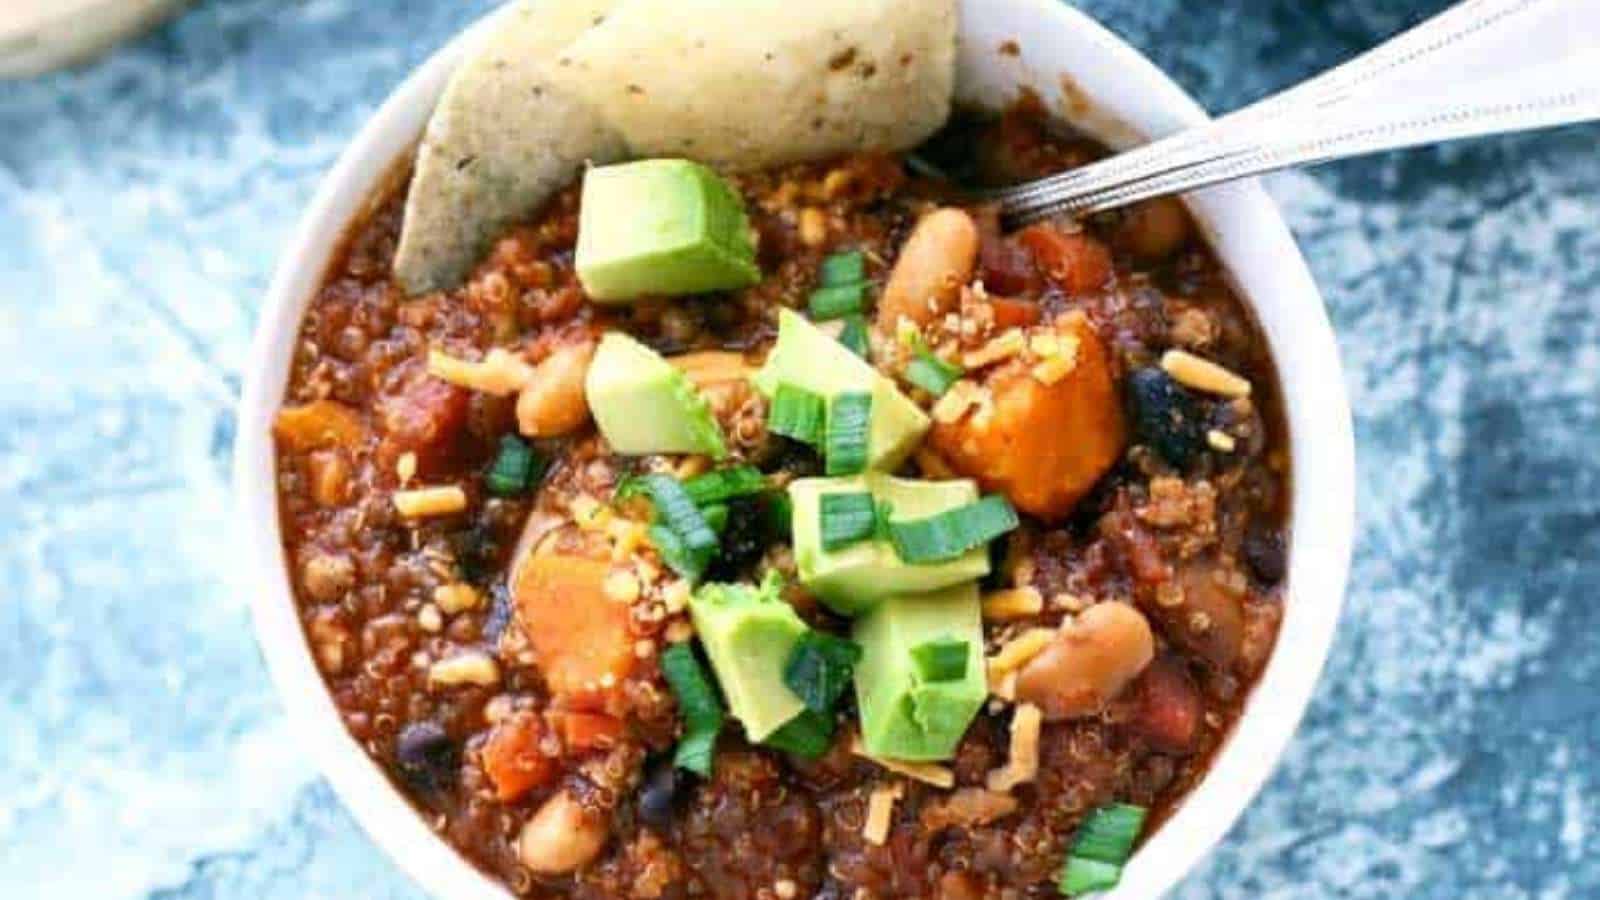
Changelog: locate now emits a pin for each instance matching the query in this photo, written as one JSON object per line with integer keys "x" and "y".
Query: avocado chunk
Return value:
{"x": 853, "y": 579}
{"x": 806, "y": 357}
{"x": 661, "y": 227}
{"x": 748, "y": 634}
{"x": 644, "y": 404}
{"x": 904, "y": 715}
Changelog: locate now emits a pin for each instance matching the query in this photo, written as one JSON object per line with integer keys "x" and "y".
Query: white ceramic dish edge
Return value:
{"x": 1130, "y": 97}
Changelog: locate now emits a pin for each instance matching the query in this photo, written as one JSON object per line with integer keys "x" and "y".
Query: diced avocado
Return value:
{"x": 661, "y": 227}
{"x": 852, "y": 579}
{"x": 903, "y": 716}
{"x": 748, "y": 634}
{"x": 644, "y": 404}
{"x": 806, "y": 357}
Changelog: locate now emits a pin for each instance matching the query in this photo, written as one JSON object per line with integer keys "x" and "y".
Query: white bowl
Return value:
{"x": 1105, "y": 87}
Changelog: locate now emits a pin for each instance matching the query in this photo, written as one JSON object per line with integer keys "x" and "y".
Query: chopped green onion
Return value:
{"x": 849, "y": 433}
{"x": 798, "y": 414}
{"x": 854, "y": 335}
{"x": 716, "y": 516}
{"x": 779, "y": 514}
{"x": 516, "y": 468}
{"x": 819, "y": 669}
{"x": 846, "y": 519}
{"x": 927, "y": 371}
{"x": 681, "y": 534}
{"x": 953, "y": 532}
{"x": 691, "y": 564}
{"x": 702, "y": 711}
{"x": 725, "y": 484}
{"x": 806, "y": 735}
{"x": 1104, "y": 843}
{"x": 1084, "y": 876}
{"x": 941, "y": 659}
{"x": 837, "y": 301}
{"x": 849, "y": 267}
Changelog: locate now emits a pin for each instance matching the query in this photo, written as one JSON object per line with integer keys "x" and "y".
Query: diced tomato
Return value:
{"x": 1169, "y": 706}
{"x": 1009, "y": 313}
{"x": 588, "y": 731}
{"x": 1076, "y": 262}
{"x": 512, "y": 760}
{"x": 427, "y": 417}
{"x": 1006, "y": 267}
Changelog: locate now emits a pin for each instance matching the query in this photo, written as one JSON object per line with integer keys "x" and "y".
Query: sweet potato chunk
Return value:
{"x": 579, "y": 633}
{"x": 1043, "y": 445}
{"x": 588, "y": 731}
{"x": 318, "y": 425}
{"x": 512, "y": 758}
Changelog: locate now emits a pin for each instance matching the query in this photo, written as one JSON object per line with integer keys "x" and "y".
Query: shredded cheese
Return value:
{"x": 421, "y": 503}
{"x": 453, "y": 598}
{"x": 1023, "y": 764}
{"x": 962, "y": 396}
{"x": 501, "y": 373}
{"x": 880, "y": 813}
{"x": 1203, "y": 374}
{"x": 927, "y": 773}
{"x": 1018, "y": 651}
{"x": 1011, "y": 604}
{"x": 1220, "y": 441}
{"x": 472, "y": 667}
{"x": 1005, "y": 345}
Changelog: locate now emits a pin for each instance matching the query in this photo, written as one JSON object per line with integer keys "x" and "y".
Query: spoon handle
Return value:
{"x": 1481, "y": 67}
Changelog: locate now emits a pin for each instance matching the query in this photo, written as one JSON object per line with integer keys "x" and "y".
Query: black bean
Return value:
{"x": 428, "y": 759}
{"x": 499, "y": 616}
{"x": 743, "y": 539}
{"x": 1166, "y": 417}
{"x": 1264, "y": 553}
{"x": 659, "y": 799}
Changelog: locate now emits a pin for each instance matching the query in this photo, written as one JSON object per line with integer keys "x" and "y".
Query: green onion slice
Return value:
{"x": 846, "y": 519}
{"x": 941, "y": 659}
{"x": 798, "y": 414}
{"x": 515, "y": 470}
{"x": 927, "y": 371}
{"x": 854, "y": 335}
{"x": 807, "y": 735}
{"x": 849, "y": 267}
{"x": 818, "y": 669}
{"x": 837, "y": 301}
{"x": 725, "y": 484}
{"x": 702, "y": 711}
{"x": 1104, "y": 843}
{"x": 848, "y": 434}
{"x": 953, "y": 532}
{"x": 681, "y": 533}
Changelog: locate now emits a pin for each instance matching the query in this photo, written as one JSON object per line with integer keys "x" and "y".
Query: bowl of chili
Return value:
{"x": 1076, "y": 72}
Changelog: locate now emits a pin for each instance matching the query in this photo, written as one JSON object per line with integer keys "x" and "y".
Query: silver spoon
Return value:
{"x": 1481, "y": 67}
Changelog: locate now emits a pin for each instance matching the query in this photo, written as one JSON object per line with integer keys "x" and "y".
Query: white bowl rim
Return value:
{"x": 1242, "y": 222}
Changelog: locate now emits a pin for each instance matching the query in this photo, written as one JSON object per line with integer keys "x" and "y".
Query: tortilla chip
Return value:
{"x": 502, "y": 140}
{"x": 766, "y": 82}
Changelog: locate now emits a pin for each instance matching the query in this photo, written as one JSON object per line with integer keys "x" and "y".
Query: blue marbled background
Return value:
{"x": 143, "y": 200}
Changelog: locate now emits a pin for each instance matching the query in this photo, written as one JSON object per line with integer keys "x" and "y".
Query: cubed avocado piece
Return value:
{"x": 661, "y": 227}
{"x": 904, "y": 716}
{"x": 748, "y": 634}
{"x": 806, "y": 357}
{"x": 644, "y": 404}
{"x": 854, "y": 578}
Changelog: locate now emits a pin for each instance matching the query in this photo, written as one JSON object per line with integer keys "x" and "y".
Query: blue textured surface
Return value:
{"x": 143, "y": 200}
